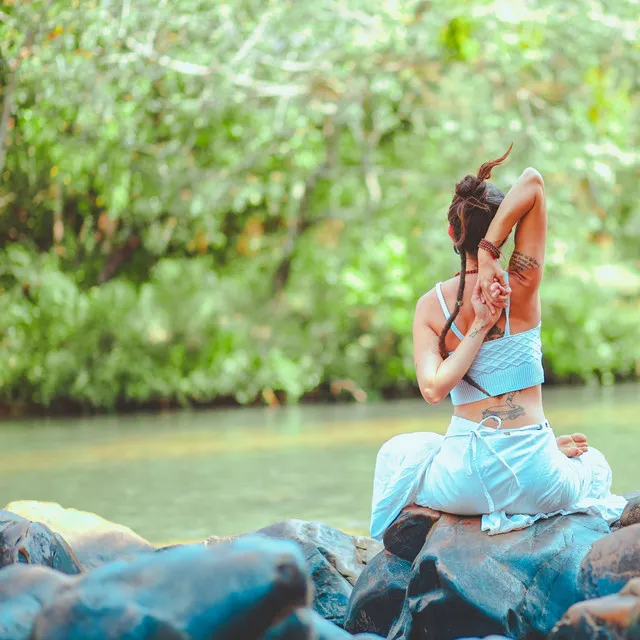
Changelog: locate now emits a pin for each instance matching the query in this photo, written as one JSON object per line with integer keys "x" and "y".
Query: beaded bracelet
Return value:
{"x": 490, "y": 248}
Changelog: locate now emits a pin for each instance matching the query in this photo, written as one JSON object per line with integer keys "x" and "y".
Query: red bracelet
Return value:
{"x": 490, "y": 248}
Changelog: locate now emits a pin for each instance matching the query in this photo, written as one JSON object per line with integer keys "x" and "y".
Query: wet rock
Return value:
{"x": 611, "y": 617}
{"x": 304, "y": 624}
{"x": 378, "y": 596}
{"x": 518, "y": 584}
{"x": 24, "y": 589}
{"x": 612, "y": 562}
{"x": 94, "y": 540}
{"x": 406, "y": 534}
{"x": 349, "y": 554}
{"x": 231, "y": 591}
{"x": 335, "y": 561}
{"x": 26, "y": 542}
{"x": 631, "y": 513}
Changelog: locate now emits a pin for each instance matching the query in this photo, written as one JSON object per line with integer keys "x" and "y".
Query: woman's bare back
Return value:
{"x": 516, "y": 408}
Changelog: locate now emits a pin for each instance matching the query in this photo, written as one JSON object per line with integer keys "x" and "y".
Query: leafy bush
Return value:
{"x": 199, "y": 202}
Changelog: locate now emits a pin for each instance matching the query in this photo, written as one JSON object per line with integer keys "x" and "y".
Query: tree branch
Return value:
{"x": 261, "y": 88}
{"x": 118, "y": 257}
{"x": 298, "y": 222}
{"x": 253, "y": 38}
{"x": 124, "y": 14}
{"x": 147, "y": 51}
{"x": 7, "y": 107}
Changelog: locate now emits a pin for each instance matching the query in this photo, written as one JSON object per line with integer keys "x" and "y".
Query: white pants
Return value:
{"x": 512, "y": 477}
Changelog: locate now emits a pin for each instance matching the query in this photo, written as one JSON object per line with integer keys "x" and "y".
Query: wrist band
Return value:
{"x": 490, "y": 248}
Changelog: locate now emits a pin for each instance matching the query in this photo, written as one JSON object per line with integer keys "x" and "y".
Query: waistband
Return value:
{"x": 461, "y": 426}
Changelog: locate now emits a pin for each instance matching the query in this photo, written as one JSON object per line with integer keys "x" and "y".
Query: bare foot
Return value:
{"x": 574, "y": 445}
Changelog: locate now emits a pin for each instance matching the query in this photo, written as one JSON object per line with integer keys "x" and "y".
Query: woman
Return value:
{"x": 499, "y": 457}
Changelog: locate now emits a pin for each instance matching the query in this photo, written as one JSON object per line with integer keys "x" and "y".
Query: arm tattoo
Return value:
{"x": 506, "y": 411}
{"x": 475, "y": 332}
{"x": 521, "y": 262}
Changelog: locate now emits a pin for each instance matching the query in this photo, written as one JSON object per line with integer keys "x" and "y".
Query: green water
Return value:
{"x": 191, "y": 474}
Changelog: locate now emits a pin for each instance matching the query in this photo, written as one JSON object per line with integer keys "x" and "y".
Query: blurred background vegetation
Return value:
{"x": 244, "y": 200}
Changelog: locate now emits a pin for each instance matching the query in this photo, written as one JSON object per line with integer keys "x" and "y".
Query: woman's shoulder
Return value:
{"x": 426, "y": 303}
{"x": 428, "y": 306}
{"x": 429, "y": 298}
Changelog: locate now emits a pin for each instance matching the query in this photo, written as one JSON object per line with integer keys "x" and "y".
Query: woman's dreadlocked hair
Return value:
{"x": 474, "y": 204}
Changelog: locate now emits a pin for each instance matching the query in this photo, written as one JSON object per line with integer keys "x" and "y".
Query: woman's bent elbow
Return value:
{"x": 431, "y": 395}
{"x": 533, "y": 175}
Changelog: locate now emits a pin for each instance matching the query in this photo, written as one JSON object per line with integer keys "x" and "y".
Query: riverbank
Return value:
{"x": 234, "y": 470}
{"x": 342, "y": 392}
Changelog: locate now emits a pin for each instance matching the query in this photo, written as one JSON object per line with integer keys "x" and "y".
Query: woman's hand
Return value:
{"x": 490, "y": 273}
{"x": 482, "y": 310}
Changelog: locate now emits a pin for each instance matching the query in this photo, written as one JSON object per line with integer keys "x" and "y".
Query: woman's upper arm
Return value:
{"x": 527, "y": 260}
{"x": 426, "y": 355}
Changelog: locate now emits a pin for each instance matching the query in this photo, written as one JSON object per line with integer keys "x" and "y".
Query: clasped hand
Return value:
{"x": 491, "y": 292}
{"x": 494, "y": 289}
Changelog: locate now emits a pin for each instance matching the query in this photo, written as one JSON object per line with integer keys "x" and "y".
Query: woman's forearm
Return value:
{"x": 452, "y": 370}
{"x": 516, "y": 204}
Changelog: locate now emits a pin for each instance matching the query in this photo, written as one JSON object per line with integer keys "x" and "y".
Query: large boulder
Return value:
{"x": 347, "y": 554}
{"x": 24, "y": 590}
{"x": 406, "y": 535}
{"x": 94, "y": 540}
{"x": 467, "y": 583}
{"x": 25, "y": 542}
{"x": 334, "y": 559}
{"x": 609, "y": 618}
{"x": 233, "y": 590}
{"x": 612, "y": 562}
{"x": 631, "y": 513}
{"x": 378, "y": 596}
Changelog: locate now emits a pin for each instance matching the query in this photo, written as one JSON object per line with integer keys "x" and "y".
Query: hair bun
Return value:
{"x": 469, "y": 186}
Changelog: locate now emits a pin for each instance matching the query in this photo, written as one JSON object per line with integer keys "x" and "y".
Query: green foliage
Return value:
{"x": 237, "y": 198}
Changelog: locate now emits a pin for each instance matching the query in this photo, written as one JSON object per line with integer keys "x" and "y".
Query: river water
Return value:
{"x": 186, "y": 475}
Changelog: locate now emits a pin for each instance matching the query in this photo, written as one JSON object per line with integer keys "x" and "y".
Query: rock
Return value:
{"x": 610, "y": 617}
{"x": 467, "y": 583}
{"x": 349, "y": 554}
{"x": 612, "y": 562}
{"x": 231, "y": 591}
{"x": 304, "y": 624}
{"x": 631, "y": 513}
{"x": 406, "y": 534}
{"x": 24, "y": 589}
{"x": 94, "y": 540}
{"x": 335, "y": 560}
{"x": 26, "y": 542}
{"x": 378, "y": 596}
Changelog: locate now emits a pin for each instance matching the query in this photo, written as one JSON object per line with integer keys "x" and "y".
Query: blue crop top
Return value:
{"x": 510, "y": 363}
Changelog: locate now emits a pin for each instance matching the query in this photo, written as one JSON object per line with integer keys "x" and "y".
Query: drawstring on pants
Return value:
{"x": 471, "y": 457}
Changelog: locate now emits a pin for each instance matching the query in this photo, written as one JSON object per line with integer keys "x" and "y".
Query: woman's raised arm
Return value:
{"x": 525, "y": 208}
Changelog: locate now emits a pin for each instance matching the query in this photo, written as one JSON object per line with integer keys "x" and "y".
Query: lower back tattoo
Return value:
{"x": 507, "y": 411}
